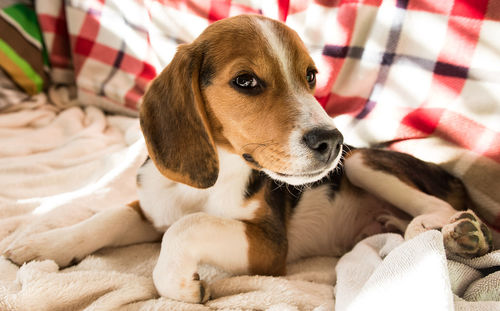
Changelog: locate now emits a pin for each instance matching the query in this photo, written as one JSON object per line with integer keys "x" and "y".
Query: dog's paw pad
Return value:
{"x": 467, "y": 236}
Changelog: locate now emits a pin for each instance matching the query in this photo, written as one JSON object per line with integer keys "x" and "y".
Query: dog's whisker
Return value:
{"x": 264, "y": 143}
{"x": 257, "y": 146}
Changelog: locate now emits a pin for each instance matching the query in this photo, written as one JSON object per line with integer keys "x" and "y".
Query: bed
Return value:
{"x": 417, "y": 76}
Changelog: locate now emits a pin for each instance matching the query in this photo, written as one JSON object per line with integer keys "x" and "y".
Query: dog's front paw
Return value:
{"x": 467, "y": 236}
{"x": 54, "y": 244}
{"x": 180, "y": 285}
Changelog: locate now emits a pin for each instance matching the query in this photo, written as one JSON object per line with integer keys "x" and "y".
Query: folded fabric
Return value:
{"x": 384, "y": 272}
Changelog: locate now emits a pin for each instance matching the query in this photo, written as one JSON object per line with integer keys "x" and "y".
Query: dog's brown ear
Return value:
{"x": 175, "y": 125}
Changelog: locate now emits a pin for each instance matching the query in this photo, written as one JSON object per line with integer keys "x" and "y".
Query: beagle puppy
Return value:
{"x": 246, "y": 171}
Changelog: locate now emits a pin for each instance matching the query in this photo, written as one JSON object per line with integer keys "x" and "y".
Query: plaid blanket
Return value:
{"x": 419, "y": 76}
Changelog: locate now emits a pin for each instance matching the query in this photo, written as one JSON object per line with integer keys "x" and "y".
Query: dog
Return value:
{"x": 246, "y": 171}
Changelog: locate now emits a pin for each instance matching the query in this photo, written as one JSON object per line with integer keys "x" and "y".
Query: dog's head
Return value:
{"x": 245, "y": 84}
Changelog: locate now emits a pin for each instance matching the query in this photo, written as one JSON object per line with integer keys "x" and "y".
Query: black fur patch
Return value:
{"x": 466, "y": 216}
{"x": 138, "y": 177}
{"x": 254, "y": 184}
{"x": 282, "y": 195}
{"x": 428, "y": 177}
{"x": 278, "y": 195}
{"x": 146, "y": 161}
{"x": 138, "y": 180}
{"x": 333, "y": 179}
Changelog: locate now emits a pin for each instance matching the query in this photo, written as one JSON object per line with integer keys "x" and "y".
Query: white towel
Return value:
{"x": 384, "y": 272}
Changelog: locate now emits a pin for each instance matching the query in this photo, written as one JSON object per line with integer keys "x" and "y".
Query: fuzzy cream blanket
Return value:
{"x": 58, "y": 167}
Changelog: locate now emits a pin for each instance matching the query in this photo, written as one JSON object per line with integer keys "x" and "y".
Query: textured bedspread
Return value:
{"x": 419, "y": 76}
{"x": 74, "y": 162}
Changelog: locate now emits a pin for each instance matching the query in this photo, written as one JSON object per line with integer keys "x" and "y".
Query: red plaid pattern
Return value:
{"x": 52, "y": 20}
{"x": 390, "y": 70}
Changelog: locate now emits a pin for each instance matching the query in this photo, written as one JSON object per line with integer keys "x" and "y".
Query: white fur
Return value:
{"x": 201, "y": 225}
{"x": 114, "y": 226}
{"x": 329, "y": 226}
{"x": 280, "y": 52}
{"x": 298, "y": 180}
{"x": 311, "y": 115}
{"x": 164, "y": 201}
{"x": 196, "y": 239}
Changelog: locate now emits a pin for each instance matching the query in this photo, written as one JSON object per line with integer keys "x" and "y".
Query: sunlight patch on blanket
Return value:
{"x": 118, "y": 163}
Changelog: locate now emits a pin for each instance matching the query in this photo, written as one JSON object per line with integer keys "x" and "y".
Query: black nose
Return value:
{"x": 324, "y": 142}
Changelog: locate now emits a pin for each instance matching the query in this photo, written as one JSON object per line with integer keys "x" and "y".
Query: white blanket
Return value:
{"x": 58, "y": 168}
{"x": 384, "y": 272}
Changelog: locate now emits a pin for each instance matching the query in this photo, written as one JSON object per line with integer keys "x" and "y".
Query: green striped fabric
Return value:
{"x": 22, "y": 53}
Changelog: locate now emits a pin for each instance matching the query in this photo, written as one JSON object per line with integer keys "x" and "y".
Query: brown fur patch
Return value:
{"x": 174, "y": 122}
{"x": 268, "y": 244}
{"x": 425, "y": 176}
{"x": 136, "y": 206}
{"x": 266, "y": 233}
{"x": 265, "y": 256}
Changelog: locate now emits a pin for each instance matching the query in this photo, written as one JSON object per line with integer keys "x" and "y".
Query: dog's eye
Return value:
{"x": 248, "y": 84}
{"x": 246, "y": 81}
{"x": 311, "y": 77}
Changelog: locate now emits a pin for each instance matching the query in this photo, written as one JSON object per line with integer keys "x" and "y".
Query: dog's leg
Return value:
{"x": 392, "y": 176}
{"x": 202, "y": 238}
{"x": 112, "y": 227}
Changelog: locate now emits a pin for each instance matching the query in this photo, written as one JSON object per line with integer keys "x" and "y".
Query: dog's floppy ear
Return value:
{"x": 175, "y": 125}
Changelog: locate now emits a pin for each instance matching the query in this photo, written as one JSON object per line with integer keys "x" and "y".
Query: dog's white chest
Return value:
{"x": 164, "y": 201}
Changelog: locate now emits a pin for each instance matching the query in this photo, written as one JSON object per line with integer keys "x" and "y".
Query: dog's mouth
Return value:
{"x": 298, "y": 178}
{"x": 303, "y": 175}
